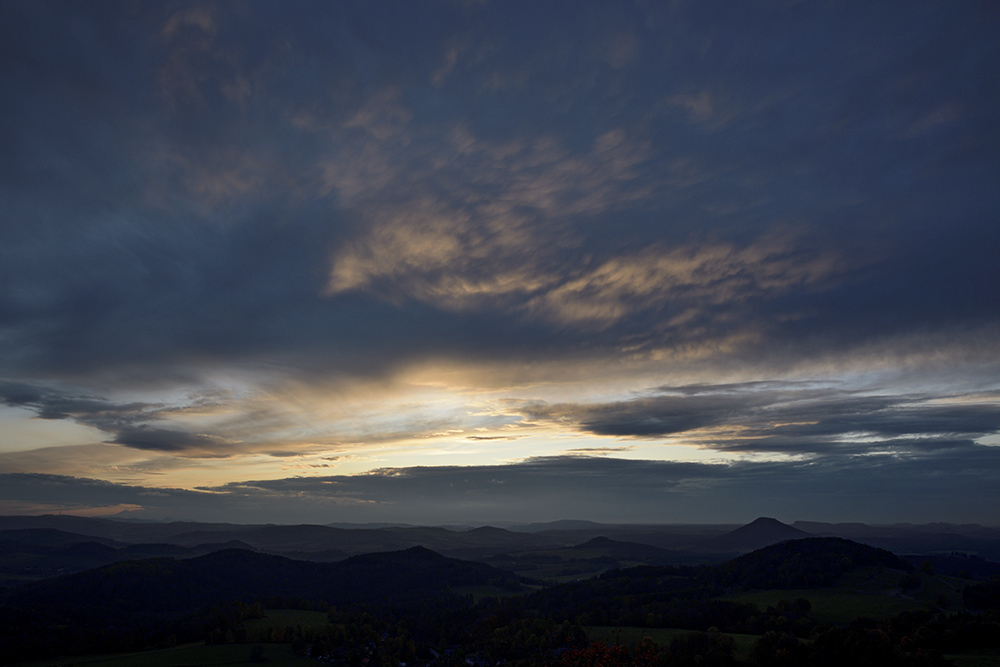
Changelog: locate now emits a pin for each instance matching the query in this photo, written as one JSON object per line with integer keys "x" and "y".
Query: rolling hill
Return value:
{"x": 185, "y": 585}
{"x": 759, "y": 533}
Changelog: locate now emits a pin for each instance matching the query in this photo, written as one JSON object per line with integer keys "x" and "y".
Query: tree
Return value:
{"x": 256, "y": 654}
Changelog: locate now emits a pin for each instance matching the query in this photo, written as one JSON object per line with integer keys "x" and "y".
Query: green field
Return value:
{"x": 201, "y": 655}
{"x": 483, "y": 591}
{"x": 835, "y": 605}
{"x": 191, "y": 655}
{"x": 561, "y": 573}
{"x": 282, "y": 618}
{"x": 980, "y": 658}
{"x": 869, "y": 592}
{"x": 744, "y": 643}
{"x": 662, "y": 636}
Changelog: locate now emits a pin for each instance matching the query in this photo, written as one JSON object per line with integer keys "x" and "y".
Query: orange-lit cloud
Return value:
{"x": 244, "y": 244}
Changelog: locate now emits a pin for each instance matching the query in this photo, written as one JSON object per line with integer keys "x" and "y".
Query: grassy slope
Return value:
{"x": 662, "y": 636}
{"x": 981, "y": 658}
{"x": 834, "y": 605}
{"x": 196, "y": 655}
{"x": 192, "y": 655}
{"x": 283, "y": 618}
{"x": 870, "y": 592}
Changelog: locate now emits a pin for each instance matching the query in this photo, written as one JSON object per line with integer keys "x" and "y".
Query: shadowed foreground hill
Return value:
{"x": 689, "y": 596}
{"x": 133, "y": 605}
{"x": 168, "y": 585}
{"x": 410, "y": 577}
{"x": 813, "y": 562}
{"x": 409, "y": 596}
{"x": 37, "y": 553}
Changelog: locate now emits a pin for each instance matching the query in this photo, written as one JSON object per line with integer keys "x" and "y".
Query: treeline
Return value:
{"x": 910, "y": 639}
{"x": 401, "y": 607}
{"x": 815, "y": 562}
{"x": 984, "y": 595}
{"x": 913, "y": 639}
{"x": 152, "y": 603}
{"x": 688, "y": 597}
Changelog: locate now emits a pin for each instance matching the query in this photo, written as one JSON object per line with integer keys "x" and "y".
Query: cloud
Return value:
{"x": 585, "y": 205}
{"x": 165, "y": 440}
{"x": 33, "y": 492}
{"x": 877, "y": 489}
{"x": 479, "y": 243}
{"x": 129, "y": 423}
{"x": 790, "y": 418}
{"x": 49, "y": 403}
{"x": 215, "y": 202}
{"x": 591, "y": 451}
{"x": 700, "y": 106}
{"x": 472, "y": 234}
{"x": 686, "y": 282}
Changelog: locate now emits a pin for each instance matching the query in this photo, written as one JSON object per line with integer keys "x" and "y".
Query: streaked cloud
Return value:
{"x": 687, "y": 283}
{"x": 481, "y": 236}
{"x": 804, "y": 418}
{"x": 874, "y": 489}
{"x": 480, "y": 241}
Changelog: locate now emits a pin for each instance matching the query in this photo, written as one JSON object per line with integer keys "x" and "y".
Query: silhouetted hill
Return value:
{"x": 35, "y": 553}
{"x": 326, "y": 556}
{"x": 203, "y": 549}
{"x": 478, "y": 543}
{"x": 960, "y": 565}
{"x": 932, "y": 538}
{"x": 44, "y": 538}
{"x": 606, "y": 547}
{"x": 759, "y": 533}
{"x": 600, "y": 542}
{"x": 519, "y": 549}
{"x": 157, "y": 550}
{"x": 562, "y": 524}
{"x": 168, "y": 585}
{"x": 807, "y": 563}
{"x": 123, "y": 531}
{"x": 403, "y": 599}
{"x": 94, "y": 550}
{"x": 688, "y": 537}
{"x": 618, "y": 546}
{"x": 481, "y": 536}
{"x": 693, "y": 597}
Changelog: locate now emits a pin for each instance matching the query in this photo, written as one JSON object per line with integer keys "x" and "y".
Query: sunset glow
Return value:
{"x": 440, "y": 262}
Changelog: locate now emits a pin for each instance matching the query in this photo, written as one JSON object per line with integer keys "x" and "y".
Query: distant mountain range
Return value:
{"x": 75, "y": 586}
{"x": 167, "y": 585}
{"x": 34, "y": 547}
{"x": 759, "y": 533}
{"x": 392, "y": 579}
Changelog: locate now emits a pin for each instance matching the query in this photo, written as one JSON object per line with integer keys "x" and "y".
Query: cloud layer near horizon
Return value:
{"x": 256, "y": 241}
{"x": 875, "y": 489}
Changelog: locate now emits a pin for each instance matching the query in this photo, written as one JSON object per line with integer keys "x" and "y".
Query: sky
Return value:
{"x": 456, "y": 261}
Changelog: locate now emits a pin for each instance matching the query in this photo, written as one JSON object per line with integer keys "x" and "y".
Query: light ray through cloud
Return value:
{"x": 457, "y": 261}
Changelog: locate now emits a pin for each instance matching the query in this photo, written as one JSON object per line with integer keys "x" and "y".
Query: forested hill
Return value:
{"x": 409, "y": 577}
{"x": 812, "y": 562}
{"x": 161, "y": 585}
{"x": 422, "y": 597}
{"x": 692, "y": 597}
